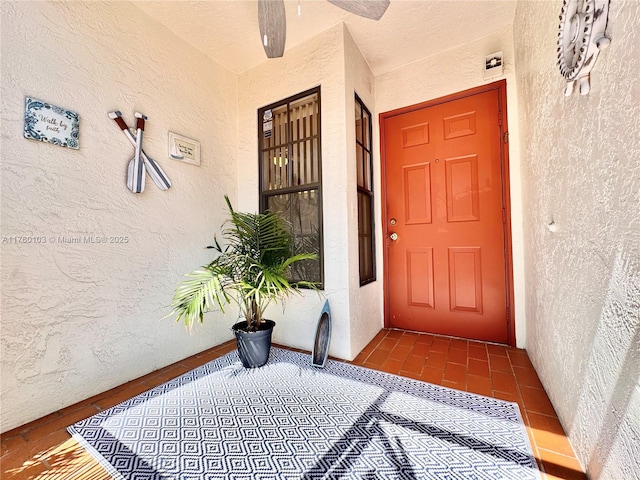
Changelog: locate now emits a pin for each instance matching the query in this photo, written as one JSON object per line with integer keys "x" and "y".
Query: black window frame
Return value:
{"x": 362, "y": 190}
{"x": 317, "y": 186}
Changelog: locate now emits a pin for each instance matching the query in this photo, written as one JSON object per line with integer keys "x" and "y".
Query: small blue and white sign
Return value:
{"x": 47, "y": 123}
{"x": 267, "y": 123}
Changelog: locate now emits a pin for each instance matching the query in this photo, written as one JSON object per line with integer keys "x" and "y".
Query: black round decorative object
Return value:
{"x": 581, "y": 36}
{"x": 254, "y": 347}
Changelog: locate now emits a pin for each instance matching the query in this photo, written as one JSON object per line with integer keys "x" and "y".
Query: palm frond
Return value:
{"x": 200, "y": 293}
{"x": 251, "y": 270}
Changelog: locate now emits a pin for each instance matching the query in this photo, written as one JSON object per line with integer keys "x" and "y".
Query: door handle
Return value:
{"x": 393, "y": 236}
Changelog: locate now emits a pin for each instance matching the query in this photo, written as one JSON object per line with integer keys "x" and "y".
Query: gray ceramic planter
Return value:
{"x": 254, "y": 347}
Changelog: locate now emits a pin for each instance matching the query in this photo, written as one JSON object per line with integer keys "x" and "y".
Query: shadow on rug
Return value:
{"x": 289, "y": 420}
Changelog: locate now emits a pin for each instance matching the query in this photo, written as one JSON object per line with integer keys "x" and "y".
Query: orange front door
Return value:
{"x": 444, "y": 215}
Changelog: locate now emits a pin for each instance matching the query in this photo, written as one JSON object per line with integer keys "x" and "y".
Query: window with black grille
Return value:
{"x": 291, "y": 174}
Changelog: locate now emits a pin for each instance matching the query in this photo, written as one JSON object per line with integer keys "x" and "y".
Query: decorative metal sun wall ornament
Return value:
{"x": 580, "y": 38}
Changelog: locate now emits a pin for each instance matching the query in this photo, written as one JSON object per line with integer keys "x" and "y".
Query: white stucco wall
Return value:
{"x": 367, "y": 301}
{"x": 452, "y": 71}
{"x": 581, "y": 171}
{"x": 78, "y": 319}
{"x": 319, "y": 61}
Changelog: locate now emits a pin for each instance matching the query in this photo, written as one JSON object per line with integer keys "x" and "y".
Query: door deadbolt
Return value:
{"x": 393, "y": 221}
{"x": 393, "y": 236}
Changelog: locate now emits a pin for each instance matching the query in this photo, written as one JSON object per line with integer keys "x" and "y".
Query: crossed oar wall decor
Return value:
{"x": 140, "y": 163}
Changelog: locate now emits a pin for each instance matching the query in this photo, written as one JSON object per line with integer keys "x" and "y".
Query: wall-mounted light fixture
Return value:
{"x": 281, "y": 161}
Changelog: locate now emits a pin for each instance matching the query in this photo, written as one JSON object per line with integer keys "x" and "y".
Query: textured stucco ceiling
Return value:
{"x": 227, "y": 30}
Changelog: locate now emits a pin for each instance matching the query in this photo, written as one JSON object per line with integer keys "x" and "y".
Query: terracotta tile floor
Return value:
{"x": 44, "y": 450}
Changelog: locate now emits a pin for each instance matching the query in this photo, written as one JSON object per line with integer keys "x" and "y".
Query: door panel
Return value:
{"x": 420, "y": 277}
{"x": 463, "y": 202}
{"x": 459, "y": 125}
{"x": 413, "y": 135}
{"x": 465, "y": 279}
{"x": 417, "y": 194}
{"x": 446, "y": 271}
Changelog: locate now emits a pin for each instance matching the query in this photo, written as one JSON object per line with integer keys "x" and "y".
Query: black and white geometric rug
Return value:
{"x": 289, "y": 420}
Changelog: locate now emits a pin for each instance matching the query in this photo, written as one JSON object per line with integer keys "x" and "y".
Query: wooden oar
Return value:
{"x": 153, "y": 169}
{"x": 138, "y": 177}
{"x": 132, "y": 183}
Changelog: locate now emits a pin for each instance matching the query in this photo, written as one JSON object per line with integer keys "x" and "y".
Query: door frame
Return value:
{"x": 501, "y": 88}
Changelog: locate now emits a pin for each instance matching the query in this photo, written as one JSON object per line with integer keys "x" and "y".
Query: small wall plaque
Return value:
{"x": 47, "y": 123}
{"x": 493, "y": 65}
{"x": 184, "y": 149}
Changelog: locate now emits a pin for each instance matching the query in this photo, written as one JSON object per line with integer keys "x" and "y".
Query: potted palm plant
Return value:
{"x": 249, "y": 270}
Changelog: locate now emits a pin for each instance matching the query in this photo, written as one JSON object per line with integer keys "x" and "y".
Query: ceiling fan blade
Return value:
{"x": 373, "y": 9}
{"x": 273, "y": 26}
